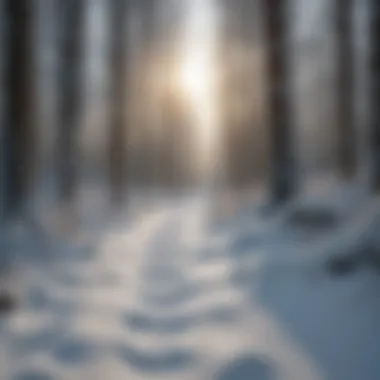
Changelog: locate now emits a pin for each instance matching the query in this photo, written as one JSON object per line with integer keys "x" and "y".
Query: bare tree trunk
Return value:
{"x": 369, "y": 252}
{"x": 19, "y": 136}
{"x": 149, "y": 45}
{"x": 345, "y": 88}
{"x": 117, "y": 132}
{"x": 374, "y": 81}
{"x": 71, "y": 38}
{"x": 283, "y": 166}
{"x": 149, "y": 10}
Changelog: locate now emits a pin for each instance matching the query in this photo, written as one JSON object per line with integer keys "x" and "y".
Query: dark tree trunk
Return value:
{"x": 117, "y": 133}
{"x": 19, "y": 138}
{"x": 345, "y": 88}
{"x": 279, "y": 93}
{"x": 374, "y": 81}
{"x": 149, "y": 11}
{"x": 71, "y": 13}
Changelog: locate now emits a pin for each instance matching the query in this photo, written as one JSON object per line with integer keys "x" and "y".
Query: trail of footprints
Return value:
{"x": 165, "y": 293}
{"x": 150, "y": 331}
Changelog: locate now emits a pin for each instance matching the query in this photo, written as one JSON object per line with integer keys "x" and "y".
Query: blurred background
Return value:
{"x": 158, "y": 94}
{"x": 239, "y": 129}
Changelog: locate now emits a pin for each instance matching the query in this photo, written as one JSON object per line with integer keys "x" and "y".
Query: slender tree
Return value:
{"x": 149, "y": 12}
{"x": 369, "y": 254}
{"x": 19, "y": 136}
{"x": 345, "y": 88}
{"x": 149, "y": 53}
{"x": 118, "y": 99}
{"x": 71, "y": 13}
{"x": 283, "y": 166}
{"x": 374, "y": 80}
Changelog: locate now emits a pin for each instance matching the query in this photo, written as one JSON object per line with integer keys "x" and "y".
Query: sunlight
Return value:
{"x": 194, "y": 76}
{"x": 197, "y": 75}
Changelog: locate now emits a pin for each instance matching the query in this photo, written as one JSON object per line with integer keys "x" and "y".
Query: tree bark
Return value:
{"x": 117, "y": 151}
{"x": 70, "y": 85}
{"x": 279, "y": 112}
{"x": 374, "y": 80}
{"x": 345, "y": 88}
{"x": 19, "y": 131}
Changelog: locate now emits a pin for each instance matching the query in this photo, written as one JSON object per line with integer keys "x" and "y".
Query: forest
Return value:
{"x": 189, "y": 189}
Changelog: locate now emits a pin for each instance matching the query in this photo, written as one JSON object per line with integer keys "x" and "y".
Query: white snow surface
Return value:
{"x": 173, "y": 295}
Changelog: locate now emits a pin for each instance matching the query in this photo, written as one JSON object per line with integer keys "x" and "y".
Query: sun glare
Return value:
{"x": 196, "y": 74}
{"x": 195, "y": 77}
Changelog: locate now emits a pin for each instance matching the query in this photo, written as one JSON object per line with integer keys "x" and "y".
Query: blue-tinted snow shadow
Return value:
{"x": 41, "y": 299}
{"x": 301, "y": 226}
{"x": 244, "y": 244}
{"x": 314, "y": 217}
{"x": 35, "y": 245}
{"x": 33, "y": 374}
{"x": 159, "y": 360}
{"x": 74, "y": 351}
{"x": 208, "y": 255}
{"x": 74, "y": 281}
{"x": 246, "y": 368}
{"x": 176, "y": 324}
{"x": 180, "y": 293}
{"x": 241, "y": 215}
{"x": 70, "y": 280}
{"x": 69, "y": 350}
{"x": 335, "y": 322}
{"x": 69, "y": 251}
{"x": 162, "y": 273}
{"x": 42, "y": 340}
{"x": 304, "y": 219}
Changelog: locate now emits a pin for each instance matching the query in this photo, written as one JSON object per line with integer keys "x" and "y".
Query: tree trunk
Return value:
{"x": 374, "y": 81}
{"x": 118, "y": 100}
{"x": 149, "y": 10}
{"x": 19, "y": 137}
{"x": 70, "y": 76}
{"x": 279, "y": 113}
{"x": 345, "y": 88}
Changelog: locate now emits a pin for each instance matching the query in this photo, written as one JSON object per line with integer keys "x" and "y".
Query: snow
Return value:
{"x": 167, "y": 292}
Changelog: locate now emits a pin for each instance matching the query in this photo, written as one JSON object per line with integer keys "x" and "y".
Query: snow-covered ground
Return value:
{"x": 166, "y": 295}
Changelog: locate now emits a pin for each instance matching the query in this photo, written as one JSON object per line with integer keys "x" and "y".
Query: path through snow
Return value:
{"x": 168, "y": 299}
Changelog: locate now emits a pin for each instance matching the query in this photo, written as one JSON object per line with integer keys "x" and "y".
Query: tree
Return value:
{"x": 242, "y": 134}
{"x": 368, "y": 254}
{"x": 279, "y": 113}
{"x": 18, "y": 128}
{"x": 345, "y": 88}
{"x": 19, "y": 131}
{"x": 374, "y": 80}
{"x": 70, "y": 60}
{"x": 117, "y": 131}
{"x": 148, "y": 9}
